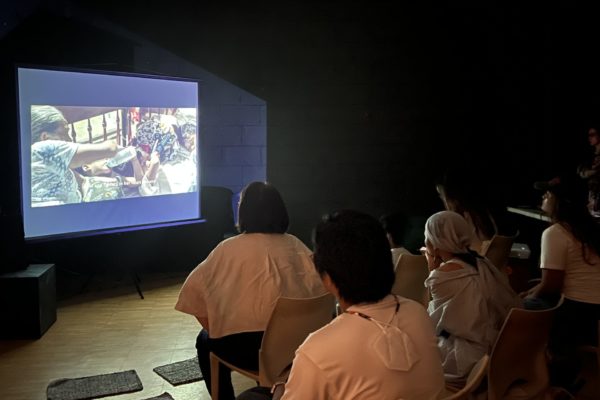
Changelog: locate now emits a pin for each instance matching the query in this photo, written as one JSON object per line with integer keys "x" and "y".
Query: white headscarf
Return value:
{"x": 449, "y": 231}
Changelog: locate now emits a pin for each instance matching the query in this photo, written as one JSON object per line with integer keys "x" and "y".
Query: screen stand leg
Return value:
{"x": 136, "y": 281}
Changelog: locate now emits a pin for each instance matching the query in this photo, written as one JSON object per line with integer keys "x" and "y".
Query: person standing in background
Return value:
{"x": 591, "y": 172}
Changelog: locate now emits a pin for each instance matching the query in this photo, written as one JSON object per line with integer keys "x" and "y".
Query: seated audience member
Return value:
{"x": 470, "y": 296}
{"x": 570, "y": 266}
{"x": 381, "y": 346}
{"x": 460, "y": 194}
{"x": 395, "y": 226}
{"x": 54, "y": 155}
{"x": 233, "y": 291}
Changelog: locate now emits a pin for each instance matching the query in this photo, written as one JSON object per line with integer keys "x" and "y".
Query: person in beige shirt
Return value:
{"x": 234, "y": 290}
{"x": 381, "y": 346}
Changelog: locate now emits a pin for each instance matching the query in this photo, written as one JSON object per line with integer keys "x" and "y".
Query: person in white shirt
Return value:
{"x": 570, "y": 266}
{"x": 233, "y": 291}
{"x": 470, "y": 297}
{"x": 381, "y": 346}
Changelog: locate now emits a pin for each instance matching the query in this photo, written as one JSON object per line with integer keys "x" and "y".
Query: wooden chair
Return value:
{"x": 473, "y": 381}
{"x": 518, "y": 365}
{"x": 291, "y": 322}
{"x": 498, "y": 250}
{"x": 411, "y": 272}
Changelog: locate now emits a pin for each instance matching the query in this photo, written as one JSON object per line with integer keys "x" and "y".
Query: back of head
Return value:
{"x": 352, "y": 248}
{"x": 464, "y": 195}
{"x": 395, "y": 226}
{"x": 262, "y": 210}
{"x": 448, "y": 231}
{"x": 45, "y": 119}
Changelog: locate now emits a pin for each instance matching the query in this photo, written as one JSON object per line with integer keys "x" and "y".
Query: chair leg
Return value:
{"x": 214, "y": 377}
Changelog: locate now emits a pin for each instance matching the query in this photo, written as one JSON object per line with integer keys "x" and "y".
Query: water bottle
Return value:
{"x": 122, "y": 157}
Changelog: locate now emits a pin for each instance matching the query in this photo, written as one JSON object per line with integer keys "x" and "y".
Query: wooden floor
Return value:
{"x": 108, "y": 328}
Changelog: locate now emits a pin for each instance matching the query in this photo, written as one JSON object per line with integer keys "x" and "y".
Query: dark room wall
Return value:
{"x": 369, "y": 101}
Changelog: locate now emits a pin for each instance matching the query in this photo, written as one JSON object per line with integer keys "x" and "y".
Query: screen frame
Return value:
{"x": 103, "y": 231}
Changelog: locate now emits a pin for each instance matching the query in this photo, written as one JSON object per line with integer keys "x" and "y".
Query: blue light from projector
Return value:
{"x": 66, "y": 116}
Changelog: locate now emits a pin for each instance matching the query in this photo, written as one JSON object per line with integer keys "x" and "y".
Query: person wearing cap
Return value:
{"x": 381, "y": 346}
{"x": 470, "y": 297}
{"x": 570, "y": 266}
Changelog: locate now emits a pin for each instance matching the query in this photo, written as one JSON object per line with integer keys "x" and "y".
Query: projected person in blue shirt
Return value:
{"x": 54, "y": 155}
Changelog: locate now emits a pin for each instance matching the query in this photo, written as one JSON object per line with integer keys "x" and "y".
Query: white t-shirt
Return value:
{"x": 52, "y": 181}
{"x": 561, "y": 251}
{"x": 396, "y": 253}
{"x": 393, "y": 357}
{"x": 236, "y": 287}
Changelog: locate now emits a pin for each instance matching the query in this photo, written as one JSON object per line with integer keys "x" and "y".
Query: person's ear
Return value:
{"x": 44, "y": 136}
{"x": 329, "y": 285}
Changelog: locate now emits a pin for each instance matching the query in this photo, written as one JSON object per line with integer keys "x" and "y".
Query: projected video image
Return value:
{"x": 90, "y": 154}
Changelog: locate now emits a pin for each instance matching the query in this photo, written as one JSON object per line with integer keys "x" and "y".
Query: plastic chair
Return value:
{"x": 411, "y": 272}
{"x": 292, "y": 320}
{"x": 518, "y": 365}
{"x": 473, "y": 380}
{"x": 498, "y": 250}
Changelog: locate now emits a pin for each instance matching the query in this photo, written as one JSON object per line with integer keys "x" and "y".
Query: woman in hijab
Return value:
{"x": 470, "y": 297}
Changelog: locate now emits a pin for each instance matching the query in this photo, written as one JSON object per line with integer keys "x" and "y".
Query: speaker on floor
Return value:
{"x": 27, "y": 302}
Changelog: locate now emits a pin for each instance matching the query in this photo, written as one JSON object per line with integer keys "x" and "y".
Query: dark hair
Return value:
{"x": 351, "y": 247}
{"x": 465, "y": 198}
{"x": 572, "y": 213}
{"x": 395, "y": 225}
{"x": 262, "y": 210}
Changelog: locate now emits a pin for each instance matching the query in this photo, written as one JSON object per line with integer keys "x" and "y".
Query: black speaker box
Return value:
{"x": 27, "y": 302}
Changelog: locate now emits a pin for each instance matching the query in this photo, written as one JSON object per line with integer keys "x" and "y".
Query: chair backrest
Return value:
{"x": 291, "y": 322}
{"x": 498, "y": 250}
{"x": 518, "y": 361}
{"x": 473, "y": 380}
{"x": 411, "y": 272}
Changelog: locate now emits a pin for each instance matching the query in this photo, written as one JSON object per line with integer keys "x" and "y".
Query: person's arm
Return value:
{"x": 553, "y": 261}
{"x": 88, "y": 152}
{"x": 551, "y": 284}
{"x": 137, "y": 169}
{"x": 153, "y": 167}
